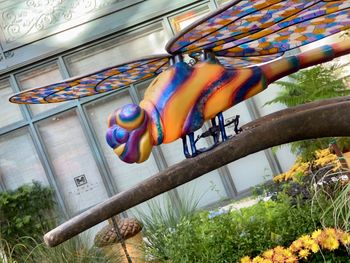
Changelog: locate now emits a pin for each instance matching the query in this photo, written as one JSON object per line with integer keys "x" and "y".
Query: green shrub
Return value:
{"x": 164, "y": 219}
{"x": 26, "y": 212}
{"x": 230, "y": 236}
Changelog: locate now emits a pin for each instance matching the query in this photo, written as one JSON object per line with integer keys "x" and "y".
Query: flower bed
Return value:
{"x": 304, "y": 247}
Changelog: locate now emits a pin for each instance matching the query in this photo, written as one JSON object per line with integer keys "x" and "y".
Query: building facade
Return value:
{"x": 63, "y": 145}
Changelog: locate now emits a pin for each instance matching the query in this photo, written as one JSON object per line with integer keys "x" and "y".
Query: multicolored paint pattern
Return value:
{"x": 185, "y": 97}
{"x": 96, "y": 83}
{"x": 129, "y": 134}
{"x": 182, "y": 98}
{"x": 252, "y": 28}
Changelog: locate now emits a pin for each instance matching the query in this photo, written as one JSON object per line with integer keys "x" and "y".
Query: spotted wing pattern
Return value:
{"x": 261, "y": 27}
{"x": 99, "y": 82}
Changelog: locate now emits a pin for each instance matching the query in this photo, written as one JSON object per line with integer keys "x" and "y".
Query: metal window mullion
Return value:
{"x": 227, "y": 181}
{"x": 270, "y": 156}
{"x": 93, "y": 144}
{"x": 42, "y": 154}
{"x": 167, "y": 26}
{"x": 13, "y": 126}
{"x": 63, "y": 68}
{"x": 96, "y": 151}
{"x": 23, "y": 108}
{"x": 48, "y": 168}
{"x": 215, "y": 3}
{"x": 2, "y": 184}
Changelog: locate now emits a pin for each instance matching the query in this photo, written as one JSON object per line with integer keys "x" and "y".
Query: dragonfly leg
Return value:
{"x": 185, "y": 147}
{"x": 236, "y": 123}
{"x": 193, "y": 144}
{"x": 222, "y": 126}
{"x": 215, "y": 135}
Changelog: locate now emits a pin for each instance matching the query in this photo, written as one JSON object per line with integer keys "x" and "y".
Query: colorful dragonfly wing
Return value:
{"x": 102, "y": 81}
{"x": 251, "y": 28}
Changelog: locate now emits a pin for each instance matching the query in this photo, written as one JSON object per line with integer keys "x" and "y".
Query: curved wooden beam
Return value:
{"x": 325, "y": 118}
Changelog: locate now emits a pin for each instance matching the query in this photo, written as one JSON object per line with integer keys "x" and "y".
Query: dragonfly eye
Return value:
{"x": 130, "y": 116}
{"x": 128, "y": 133}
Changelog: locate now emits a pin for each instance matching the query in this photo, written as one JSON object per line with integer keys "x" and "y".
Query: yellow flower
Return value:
{"x": 315, "y": 248}
{"x": 304, "y": 253}
{"x": 322, "y": 153}
{"x": 327, "y": 239}
{"x": 279, "y": 178}
{"x": 268, "y": 254}
{"x": 296, "y": 245}
{"x": 325, "y": 157}
{"x": 316, "y": 234}
{"x": 329, "y": 243}
{"x": 287, "y": 253}
{"x": 310, "y": 243}
{"x": 258, "y": 259}
{"x": 246, "y": 259}
{"x": 345, "y": 238}
{"x": 279, "y": 250}
{"x": 299, "y": 168}
{"x": 306, "y": 239}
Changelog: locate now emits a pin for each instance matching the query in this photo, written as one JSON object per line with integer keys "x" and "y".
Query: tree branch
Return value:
{"x": 325, "y": 118}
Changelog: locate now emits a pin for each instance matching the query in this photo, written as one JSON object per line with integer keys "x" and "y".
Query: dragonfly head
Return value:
{"x": 129, "y": 133}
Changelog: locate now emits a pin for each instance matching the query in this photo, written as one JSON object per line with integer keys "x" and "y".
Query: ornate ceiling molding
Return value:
{"x": 24, "y": 21}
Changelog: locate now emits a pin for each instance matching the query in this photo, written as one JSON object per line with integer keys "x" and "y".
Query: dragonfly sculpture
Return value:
{"x": 239, "y": 51}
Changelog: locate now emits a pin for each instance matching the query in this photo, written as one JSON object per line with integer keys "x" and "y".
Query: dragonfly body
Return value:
{"x": 182, "y": 98}
{"x": 185, "y": 97}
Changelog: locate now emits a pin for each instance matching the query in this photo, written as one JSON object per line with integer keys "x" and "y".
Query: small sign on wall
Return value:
{"x": 80, "y": 180}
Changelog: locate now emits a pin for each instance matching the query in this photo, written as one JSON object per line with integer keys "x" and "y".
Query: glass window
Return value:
{"x": 145, "y": 42}
{"x": 180, "y": 21}
{"x": 250, "y": 170}
{"x": 10, "y": 112}
{"x": 74, "y": 166}
{"x": 19, "y": 162}
{"x": 37, "y": 77}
